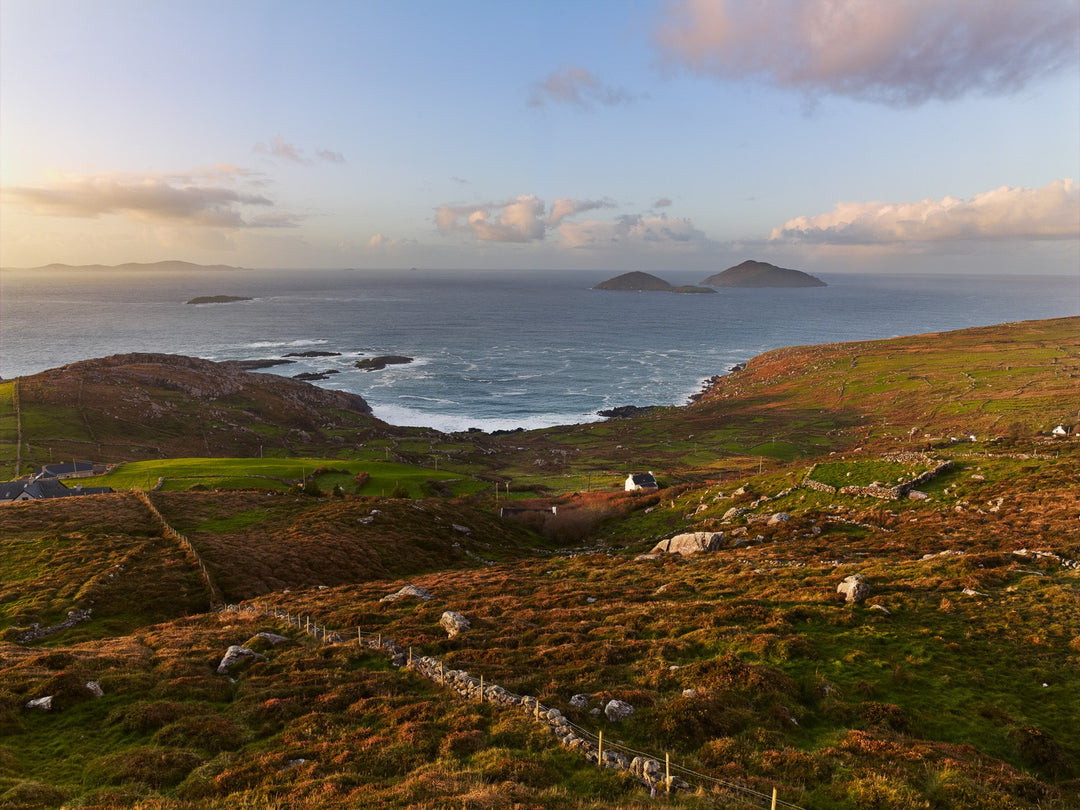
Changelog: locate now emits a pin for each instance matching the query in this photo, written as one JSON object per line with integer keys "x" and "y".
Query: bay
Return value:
{"x": 492, "y": 350}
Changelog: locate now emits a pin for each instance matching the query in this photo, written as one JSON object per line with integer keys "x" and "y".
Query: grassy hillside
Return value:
{"x": 954, "y": 684}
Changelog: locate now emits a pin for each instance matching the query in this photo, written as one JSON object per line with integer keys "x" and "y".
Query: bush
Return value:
{"x": 29, "y": 794}
{"x": 205, "y": 732}
{"x": 156, "y": 767}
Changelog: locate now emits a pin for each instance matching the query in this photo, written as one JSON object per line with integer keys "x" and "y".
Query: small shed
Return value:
{"x": 636, "y": 482}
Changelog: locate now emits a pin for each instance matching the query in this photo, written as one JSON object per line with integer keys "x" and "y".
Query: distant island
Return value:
{"x": 646, "y": 282}
{"x": 762, "y": 274}
{"x": 146, "y": 267}
{"x": 218, "y": 299}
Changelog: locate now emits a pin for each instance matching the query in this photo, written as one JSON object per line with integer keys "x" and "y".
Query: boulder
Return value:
{"x": 616, "y": 711}
{"x": 778, "y": 518}
{"x": 580, "y": 701}
{"x": 43, "y": 703}
{"x": 408, "y": 590}
{"x": 855, "y": 588}
{"x": 453, "y": 623}
{"x": 95, "y": 689}
{"x": 734, "y": 513}
{"x": 691, "y": 543}
{"x": 235, "y": 655}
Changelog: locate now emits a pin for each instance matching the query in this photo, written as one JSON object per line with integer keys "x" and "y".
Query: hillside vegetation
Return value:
{"x": 954, "y": 680}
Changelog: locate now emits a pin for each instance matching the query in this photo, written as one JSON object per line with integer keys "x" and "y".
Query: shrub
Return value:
{"x": 156, "y": 767}
{"x": 206, "y": 732}
{"x": 461, "y": 743}
{"x": 29, "y": 794}
{"x": 1039, "y": 750}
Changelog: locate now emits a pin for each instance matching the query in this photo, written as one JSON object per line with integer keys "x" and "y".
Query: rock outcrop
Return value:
{"x": 407, "y": 591}
{"x": 235, "y": 655}
{"x": 691, "y": 543}
{"x": 855, "y": 588}
{"x": 454, "y": 623}
{"x": 616, "y": 711}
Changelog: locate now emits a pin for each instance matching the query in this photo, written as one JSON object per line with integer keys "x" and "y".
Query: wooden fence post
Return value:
{"x": 667, "y": 771}
{"x": 774, "y": 799}
{"x": 481, "y": 688}
{"x": 600, "y": 750}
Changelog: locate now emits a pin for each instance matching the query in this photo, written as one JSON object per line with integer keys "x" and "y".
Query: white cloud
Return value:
{"x": 564, "y": 207}
{"x": 633, "y": 229}
{"x": 523, "y": 219}
{"x": 1050, "y": 212}
{"x": 382, "y": 242}
{"x": 278, "y": 147}
{"x": 192, "y": 199}
{"x": 578, "y": 87}
{"x": 901, "y": 52}
{"x": 517, "y": 220}
{"x": 663, "y": 202}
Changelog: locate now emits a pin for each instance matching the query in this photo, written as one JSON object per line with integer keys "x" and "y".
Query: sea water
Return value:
{"x": 491, "y": 350}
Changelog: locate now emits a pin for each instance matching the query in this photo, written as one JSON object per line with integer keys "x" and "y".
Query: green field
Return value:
{"x": 281, "y": 474}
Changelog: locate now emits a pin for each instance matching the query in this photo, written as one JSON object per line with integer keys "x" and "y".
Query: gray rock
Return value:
{"x": 855, "y": 588}
{"x": 95, "y": 689}
{"x": 580, "y": 701}
{"x": 778, "y": 518}
{"x": 734, "y": 513}
{"x": 691, "y": 543}
{"x": 43, "y": 703}
{"x": 234, "y": 655}
{"x": 408, "y": 590}
{"x": 453, "y": 623}
{"x": 616, "y": 711}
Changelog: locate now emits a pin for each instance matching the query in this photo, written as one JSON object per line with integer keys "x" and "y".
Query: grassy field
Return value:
{"x": 376, "y": 477}
{"x": 956, "y": 683}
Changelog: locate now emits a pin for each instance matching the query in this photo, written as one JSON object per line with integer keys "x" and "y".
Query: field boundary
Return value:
{"x": 169, "y": 533}
{"x": 653, "y": 772}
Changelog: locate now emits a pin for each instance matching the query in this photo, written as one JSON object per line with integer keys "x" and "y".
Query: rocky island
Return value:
{"x": 381, "y": 362}
{"x": 646, "y": 282}
{"x": 762, "y": 274}
{"x": 219, "y": 299}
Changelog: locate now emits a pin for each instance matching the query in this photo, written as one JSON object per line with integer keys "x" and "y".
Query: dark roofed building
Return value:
{"x": 37, "y": 490}
{"x": 68, "y": 469}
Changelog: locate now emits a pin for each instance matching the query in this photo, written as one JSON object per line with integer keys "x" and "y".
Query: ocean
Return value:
{"x": 492, "y": 350}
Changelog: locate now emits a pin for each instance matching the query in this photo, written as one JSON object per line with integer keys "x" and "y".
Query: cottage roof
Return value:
{"x": 65, "y": 468}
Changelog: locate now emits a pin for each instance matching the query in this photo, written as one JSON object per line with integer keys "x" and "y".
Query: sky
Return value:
{"x": 922, "y": 136}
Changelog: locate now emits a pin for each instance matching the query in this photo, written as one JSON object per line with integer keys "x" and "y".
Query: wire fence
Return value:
{"x": 169, "y": 533}
{"x": 654, "y": 772}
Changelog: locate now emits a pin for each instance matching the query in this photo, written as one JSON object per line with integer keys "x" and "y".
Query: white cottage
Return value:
{"x": 639, "y": 481}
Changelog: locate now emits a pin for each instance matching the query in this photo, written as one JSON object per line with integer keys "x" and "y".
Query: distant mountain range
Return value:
{"x": 151, "y": 267}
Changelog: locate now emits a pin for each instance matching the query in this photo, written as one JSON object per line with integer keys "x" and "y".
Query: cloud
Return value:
{"x": 1050, "y": 212}
{"x": 279, "y": 148}
{"x": 564, "y": 207}
{"x": 578, "y": 87}
{"x": 900, "y": 52}
{"x": 167, "y": 199}
{"x": 663, "y": 202}
{"x": 329, "y": 157}
{"x": 517, "y": 220}
{"x": 382, "y": 242}
{"x": 524, "y": 219}
{"x": 634, "y": 229}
